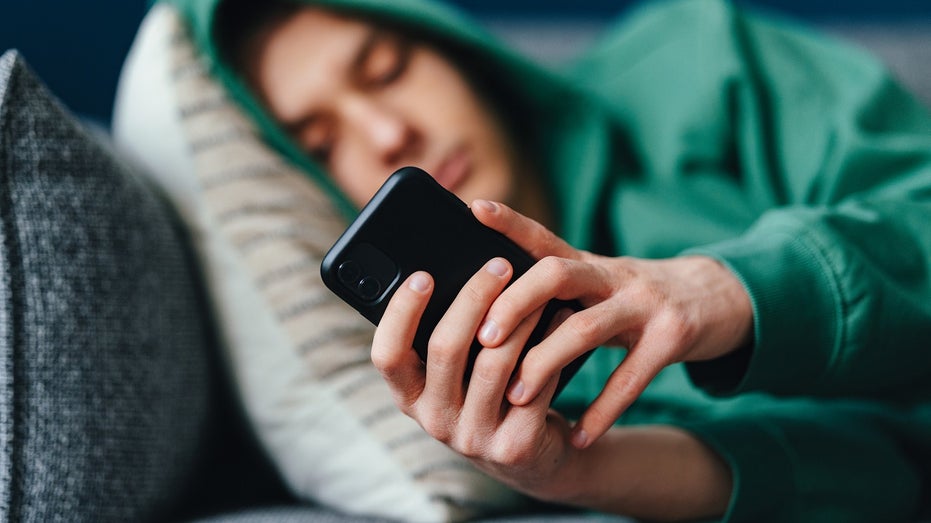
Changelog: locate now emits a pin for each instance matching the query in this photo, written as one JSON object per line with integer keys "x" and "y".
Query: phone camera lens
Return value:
{"x": 349, "y": 272}
{"x": 369, "y": 288}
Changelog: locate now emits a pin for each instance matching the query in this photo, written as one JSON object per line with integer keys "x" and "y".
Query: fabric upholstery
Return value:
{"x": 294, "y": 514}
{"x": 298, "y": 355}
{"x": 103, "y": 373}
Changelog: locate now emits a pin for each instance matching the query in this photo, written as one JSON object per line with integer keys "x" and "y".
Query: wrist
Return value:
{"x": 650, "y": 472}
{"x": 730, "y": 313}
{"x": 566, "y": 480}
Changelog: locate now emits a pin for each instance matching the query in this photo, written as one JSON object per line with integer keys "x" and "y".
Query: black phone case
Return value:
{"x": 411, "y": 224}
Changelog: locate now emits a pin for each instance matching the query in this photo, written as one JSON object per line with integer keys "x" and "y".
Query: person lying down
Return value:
{"x": 741, "y": 206}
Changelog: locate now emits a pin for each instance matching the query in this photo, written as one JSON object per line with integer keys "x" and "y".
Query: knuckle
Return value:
{"x": 392, "y": 371}
{"x": 489, "y": 368}
{"x": 542, "y": 235}
{"x": 437, "y": 427}
{"x": 624, "y": 386}
{"x": 676, "y": 323}
{"x": 442, "y": 348}
{"x": 510, "y": 453}
{"x": 556, "y": 269}
{"x": 468, "y": 445}
{"x": 625, "y": 267}
{"x": 405, "y": 403}
{"x": 533, "y": 368}
{"x": 504, "y": 309}
{"x": 384, "y": 360}
{"x": 585, "y": 327}
{"x": 644, "y": 292}
{"x": 474, "y": 293}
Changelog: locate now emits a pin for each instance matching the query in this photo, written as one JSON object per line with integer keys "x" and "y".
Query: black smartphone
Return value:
{"x": 412, "y": 224}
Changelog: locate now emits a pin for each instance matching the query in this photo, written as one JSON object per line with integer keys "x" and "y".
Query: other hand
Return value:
{"x": 688, "y": 308}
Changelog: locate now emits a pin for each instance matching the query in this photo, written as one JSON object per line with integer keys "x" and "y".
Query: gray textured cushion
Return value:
{"x": 297, "y": 514}
{"x": 103, "y": 363}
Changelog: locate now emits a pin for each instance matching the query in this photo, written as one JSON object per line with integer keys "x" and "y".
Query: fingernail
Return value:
{"x": 486, "y": 205}
{"x": 497, "y": 267}
{"x": 580, "y": 439}
{"x": 419, "y": 283}
{"x": 489, "y": 332}
{"x": 517, "y": 391}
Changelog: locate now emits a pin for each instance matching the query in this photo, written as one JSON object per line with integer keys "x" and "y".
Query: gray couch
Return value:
{"x": 111, "y": 404}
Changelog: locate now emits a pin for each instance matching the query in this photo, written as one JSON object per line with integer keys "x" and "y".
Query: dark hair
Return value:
{"x": 240, "y": 22}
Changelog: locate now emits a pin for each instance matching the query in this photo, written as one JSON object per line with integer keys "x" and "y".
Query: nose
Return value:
{"x": 391, "y": 136}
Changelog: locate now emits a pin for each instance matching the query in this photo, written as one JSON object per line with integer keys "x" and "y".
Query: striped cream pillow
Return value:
{"x": 299, "y": 356}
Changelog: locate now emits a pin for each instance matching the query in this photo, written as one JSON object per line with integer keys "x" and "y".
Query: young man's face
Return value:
{"x": 364, "y": 102}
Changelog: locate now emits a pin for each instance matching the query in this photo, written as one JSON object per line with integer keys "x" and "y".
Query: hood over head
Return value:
{"x": 555, "y": 121}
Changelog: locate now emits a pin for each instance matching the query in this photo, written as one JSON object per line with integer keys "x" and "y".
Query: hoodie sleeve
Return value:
{"x": 822, "y": 164}
{"x": 801, "y": 461}
{"x": 840, "y": 276}
{"x": 828, "y": 163}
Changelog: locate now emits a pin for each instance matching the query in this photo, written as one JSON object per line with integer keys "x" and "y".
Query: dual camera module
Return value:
{"x": 366, "y": 286}
{"x": 367, "y": 272}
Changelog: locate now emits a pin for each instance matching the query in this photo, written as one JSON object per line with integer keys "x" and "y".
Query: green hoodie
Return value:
{"x": 693, "y": 127}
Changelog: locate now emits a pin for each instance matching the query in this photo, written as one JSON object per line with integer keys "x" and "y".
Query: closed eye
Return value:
{"x": 317, "y": 137}
{"x": 381, "y": 60}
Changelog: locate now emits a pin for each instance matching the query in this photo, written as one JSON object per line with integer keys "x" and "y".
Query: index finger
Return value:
{"x": 392, "y": 348}
{"x": 529, "y": 234}
{"x": 643, "y": 362}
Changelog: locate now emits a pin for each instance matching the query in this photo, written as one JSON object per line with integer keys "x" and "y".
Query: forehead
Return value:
{"x": 305, "y": 56}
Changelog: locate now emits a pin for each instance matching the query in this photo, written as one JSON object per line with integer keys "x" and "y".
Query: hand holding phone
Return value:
{"x": 414, "y": 224}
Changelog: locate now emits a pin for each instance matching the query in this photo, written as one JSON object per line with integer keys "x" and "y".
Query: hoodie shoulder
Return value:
{"x": 642, "y": 32}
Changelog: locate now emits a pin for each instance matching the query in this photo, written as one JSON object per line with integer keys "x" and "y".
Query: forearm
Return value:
{"x": 651, "y": 472}
{"x": 834, "y": 290}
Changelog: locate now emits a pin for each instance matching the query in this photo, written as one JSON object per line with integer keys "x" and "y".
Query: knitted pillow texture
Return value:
{"x": 103, "y": 364}
{"x": 299, "y": 356}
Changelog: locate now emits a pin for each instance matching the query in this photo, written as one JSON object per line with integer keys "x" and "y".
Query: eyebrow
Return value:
{"x": 361, "y": 55}
{"x": 365, "y": 50}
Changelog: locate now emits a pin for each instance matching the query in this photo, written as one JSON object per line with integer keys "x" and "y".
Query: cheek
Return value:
{"x": 358, "y": 179}
{"x": 498, "y": 156}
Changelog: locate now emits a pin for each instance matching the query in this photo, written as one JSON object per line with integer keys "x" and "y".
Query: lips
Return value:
{"x": 454, "y": 169}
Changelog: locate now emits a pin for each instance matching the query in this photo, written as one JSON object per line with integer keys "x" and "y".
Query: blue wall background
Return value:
{"x": 78, "y": 46}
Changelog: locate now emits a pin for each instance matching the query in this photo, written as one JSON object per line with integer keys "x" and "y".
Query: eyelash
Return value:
{"x": 322, "y": 153}
{"x": 398, "y": 67}
{"x": 402, "y": 49}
